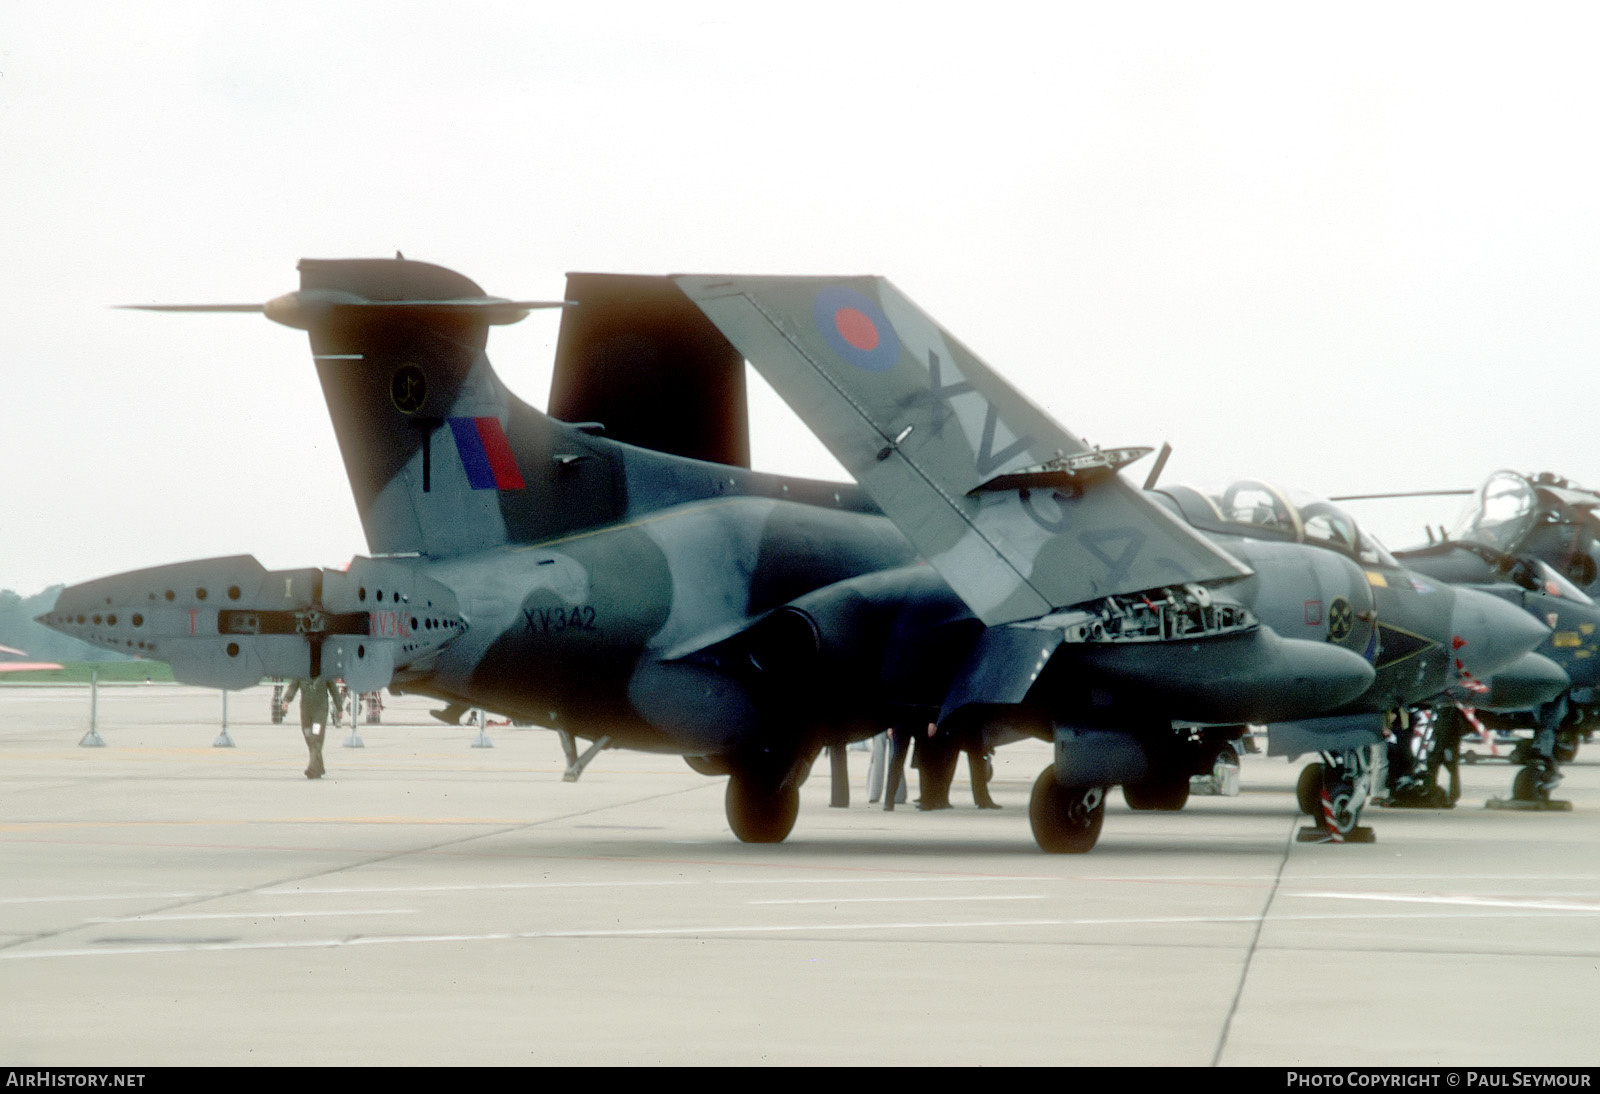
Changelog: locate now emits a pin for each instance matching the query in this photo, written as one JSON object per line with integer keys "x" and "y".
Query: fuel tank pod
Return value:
{"x": 1255, "y": 676}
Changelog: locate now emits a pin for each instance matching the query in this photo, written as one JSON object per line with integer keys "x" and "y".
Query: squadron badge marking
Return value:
{"x": 1341, "y": 620}
{"x": 408, "y": 389}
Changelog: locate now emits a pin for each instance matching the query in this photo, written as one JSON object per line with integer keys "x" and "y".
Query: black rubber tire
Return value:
{"x": 1566, "y": 749}
{"x": 1157, "y": 796}
{"x": 1065, "y": 821}
{"x": 1308, "y": 791}
{"x": 758, "y": 812}
{"x": 1525, "y": 786}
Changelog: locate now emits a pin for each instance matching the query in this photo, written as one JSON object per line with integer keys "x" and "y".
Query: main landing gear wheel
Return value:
{"x": 759, "y": 812}
{"x": 1308, "y": 791}
{"x": 1566, "y": 749}
{"x": 1540, "y": 771}
{"x": 1065, "y": 820}
{"x": 1530, "y": 790}
{"x": 1340, "y": 812}
{"x": 1525, "y": 787}
{"x": 1154, "y": 794}
{"x": 1342, "y": 790}
{"x": 1342, "y": 784}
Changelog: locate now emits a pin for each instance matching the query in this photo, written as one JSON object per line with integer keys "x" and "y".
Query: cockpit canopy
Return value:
{"x": 1250, "y": 507}
{"x": 1542, "y": 517}
{"x": 1502, "y": 513}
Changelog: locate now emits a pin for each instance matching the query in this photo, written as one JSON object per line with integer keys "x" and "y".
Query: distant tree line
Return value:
{"x": 19, "y": 631}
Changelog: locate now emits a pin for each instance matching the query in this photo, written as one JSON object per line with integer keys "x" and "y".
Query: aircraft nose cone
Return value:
{"x": 1489, "y": 634}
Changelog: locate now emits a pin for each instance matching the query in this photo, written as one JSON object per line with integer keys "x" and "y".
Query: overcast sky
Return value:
{"x": 1350, "y": 247}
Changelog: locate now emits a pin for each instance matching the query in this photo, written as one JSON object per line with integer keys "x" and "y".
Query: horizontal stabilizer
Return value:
{"x": 307, "y": 307}
{"x": 970, "y": 471}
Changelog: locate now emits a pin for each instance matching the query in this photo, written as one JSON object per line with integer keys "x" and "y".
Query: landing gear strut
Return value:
{"x": 1431, "y": 743}
{"x": 1540, "y": 774}
{"x": 1222, "y": 780}
{"x": 575, "y": 762}
{"x": 1343, "y": 782}
{"x": 1066, "y": 820}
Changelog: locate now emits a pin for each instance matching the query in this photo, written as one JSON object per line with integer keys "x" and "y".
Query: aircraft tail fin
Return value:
{"x": 441, "y": 457}
{"x": 638, "y": 357}
{"x": 1017, "y": 514}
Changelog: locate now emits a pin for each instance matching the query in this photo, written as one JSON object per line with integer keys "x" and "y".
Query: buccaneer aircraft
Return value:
{"x": 991, "y": 570}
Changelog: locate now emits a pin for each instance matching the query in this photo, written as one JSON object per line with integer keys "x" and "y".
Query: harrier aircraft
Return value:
{"x": 991, "y": 570}
{"x": 1407, "y": 632}
{"x": 1532, "y": 541}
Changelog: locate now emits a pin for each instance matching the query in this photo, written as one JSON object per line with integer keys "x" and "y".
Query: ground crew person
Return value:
{"x": 315, "y": 695}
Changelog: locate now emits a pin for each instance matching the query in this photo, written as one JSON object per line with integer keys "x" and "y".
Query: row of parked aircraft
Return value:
{"x": 614, "y": 569}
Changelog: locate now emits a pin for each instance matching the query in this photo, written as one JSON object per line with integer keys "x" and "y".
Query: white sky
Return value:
{"x": 1351, "y": 247}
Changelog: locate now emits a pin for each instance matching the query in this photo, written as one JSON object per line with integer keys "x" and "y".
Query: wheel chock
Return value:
{"x": 1359, "y": 834}
{"x": 1521, "y": 805}
{"x": 1435, "y": 799}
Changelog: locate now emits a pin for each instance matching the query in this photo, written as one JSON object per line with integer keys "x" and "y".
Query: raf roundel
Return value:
{"x": 856, "y": 329}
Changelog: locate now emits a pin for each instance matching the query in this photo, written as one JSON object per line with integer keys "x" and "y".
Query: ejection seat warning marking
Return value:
{"x": 486, "y": 454}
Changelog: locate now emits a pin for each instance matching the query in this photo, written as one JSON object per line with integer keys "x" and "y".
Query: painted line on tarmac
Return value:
{"x": 504, "y": 936}
{"x": 346, "y": 890}
{"x": 1590, "y": 906}
{"x": 302, "y": 914}
{"x": 104, "y": 896}
{"x": 898, "y": 929}
{"x": 1003, "y": 879}
{"x": 900, "y": 899}
{"x": 498, "y": 886}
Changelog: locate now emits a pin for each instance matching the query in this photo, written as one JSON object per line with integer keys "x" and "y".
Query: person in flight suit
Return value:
{"x": 315, "y": 696}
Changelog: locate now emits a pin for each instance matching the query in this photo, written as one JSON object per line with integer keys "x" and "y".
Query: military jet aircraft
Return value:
{"x": 1533, "y": 542}
{"x": 990, "y": 567}
{"x": 1001, "y": 501}
{"x": 1402, "y": 620}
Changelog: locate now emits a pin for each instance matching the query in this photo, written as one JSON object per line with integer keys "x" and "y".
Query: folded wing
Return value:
{"x": 1017, "y": 514}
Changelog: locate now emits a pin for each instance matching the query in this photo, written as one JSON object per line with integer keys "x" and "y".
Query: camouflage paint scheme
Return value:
{"x": 990, "y": 567}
